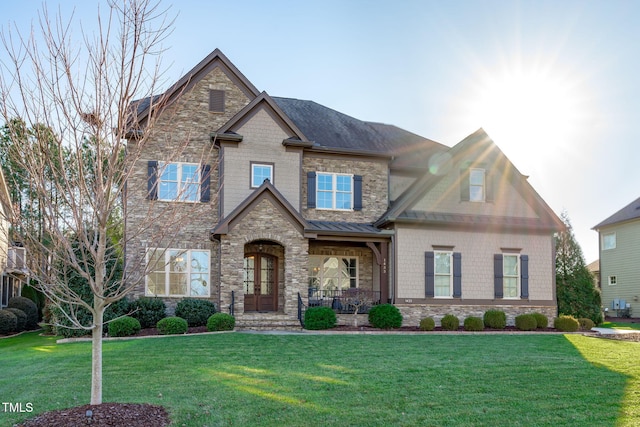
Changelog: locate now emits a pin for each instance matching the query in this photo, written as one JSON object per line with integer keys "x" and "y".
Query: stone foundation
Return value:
{"x": 412, "y": 314}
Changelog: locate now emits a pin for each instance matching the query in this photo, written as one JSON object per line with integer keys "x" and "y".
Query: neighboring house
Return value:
{"x": 299, "y": 205}
{"x": 594, "y": 269}
{"x": 619, "y": 237}
{"x": 12, "y": 259}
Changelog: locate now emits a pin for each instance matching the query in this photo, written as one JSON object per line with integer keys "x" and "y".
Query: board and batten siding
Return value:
{"x": 623, "y": 262}
{"x": 477, "y": 250}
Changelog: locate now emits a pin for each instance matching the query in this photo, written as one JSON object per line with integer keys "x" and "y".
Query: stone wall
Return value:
{"x": 412, "y": 314}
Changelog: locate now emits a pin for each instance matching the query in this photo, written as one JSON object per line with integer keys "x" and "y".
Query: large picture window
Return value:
{"x": 334, "y": 191}
{"x": 179, "y": 181}
{"x": 332, "y": 273}
{"x": 178, "y": 272}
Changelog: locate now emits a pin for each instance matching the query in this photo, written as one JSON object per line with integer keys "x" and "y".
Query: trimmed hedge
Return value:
{"x": 124, "y": 327}
{"x": 472, "y": 323}
{"x": 8, "y": 322}
{"x": 427, "y": 324}
{"x": 221, "y": 322}
{"x": 316, "y": 318}
{"x": 21, "y": 318}
{"x": 385, "y": 316}
{"x": 195, "y": 311}
{"x": 450, "y": 322}
{"x": 149, "y": 311}
{"x": 172, "y": 326}
{"x": 30, "y": 309}
{"x": 566, "y": 323}
{"x": 495, "y": 319}
{"x": 526, "y": 322}
{"x": 541, "y": 320}
{"x": 586, "y": 324}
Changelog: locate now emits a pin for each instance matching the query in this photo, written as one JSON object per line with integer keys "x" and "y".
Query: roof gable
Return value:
{"x": 628, "y": 213}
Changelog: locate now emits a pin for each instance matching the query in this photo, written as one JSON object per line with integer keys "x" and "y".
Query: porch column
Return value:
{"x": 382, "y": 259}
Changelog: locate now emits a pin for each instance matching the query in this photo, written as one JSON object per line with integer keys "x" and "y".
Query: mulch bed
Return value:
{"x": 105, "y": 415}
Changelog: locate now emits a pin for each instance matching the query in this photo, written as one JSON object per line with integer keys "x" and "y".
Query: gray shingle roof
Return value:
{"x": 629, "y": 212}
{"x": 328, "y": 128}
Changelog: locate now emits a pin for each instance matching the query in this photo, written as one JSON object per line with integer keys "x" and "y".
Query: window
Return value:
{"x": 332, "y": 273}
{"x": 443, "y": 270}
{"x": 260, "y": 172}
{"x": 178, "y": 272}
{"x": 334, "y": 191}
{"x": 613, "y": 280}
{"x": 511, "y": 275}
{"x": 609, "y": 241}
{"x": 476, "y": 185}
{"x": 179, "y": 181}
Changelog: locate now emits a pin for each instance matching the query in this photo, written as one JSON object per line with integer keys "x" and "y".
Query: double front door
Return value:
{"x": 260, "y": 282}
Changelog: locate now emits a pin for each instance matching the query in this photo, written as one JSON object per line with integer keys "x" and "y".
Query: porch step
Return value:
{"x": 267, "y": 321}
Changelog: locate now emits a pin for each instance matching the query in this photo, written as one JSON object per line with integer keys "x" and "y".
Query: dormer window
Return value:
{"x": 477, "y": 185}
{"x": 261, "y": 172}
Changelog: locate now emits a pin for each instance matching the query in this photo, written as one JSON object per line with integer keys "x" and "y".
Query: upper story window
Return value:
{"x": 178, "y": 272}
{"x": 511, "y": 275}
{"x": 477, "y": 185}
{"x": 443, "y": 271}
{"x": 609, "y": 241}
{"x": 260, "y": 172}
{"x": 179, "y": 182}
{"x": 334, "y": 191}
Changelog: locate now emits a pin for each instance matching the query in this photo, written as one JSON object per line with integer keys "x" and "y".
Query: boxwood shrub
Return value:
{"x": 472, "y": 323}
{"x": 316, "y": 318}
{"x": 195, "y": 311}
{"x": 172, "y": 326}
{"x": 8, "y": 322}
{"x": 450, "y": 322}
{"x": 586, "y": 324}
{"x": 541, "y": 320}
{"x": 149, "y": 311}
{"x": 385, "y": 316}
{"x": 21, "y": 319}
{"x": 427, "y": 324}
{"x": 124, "y": 327}
{"x": 566, "y": 323}
{"x": 495, "y": 319}
{"x": 30, "y": 309}
{"x": 221, "y": 322}
{"x": 526, "y": 322}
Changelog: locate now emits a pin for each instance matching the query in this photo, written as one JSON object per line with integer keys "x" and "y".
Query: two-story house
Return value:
{"x": 294, "y": 204}
{"x": 619, "y": 237}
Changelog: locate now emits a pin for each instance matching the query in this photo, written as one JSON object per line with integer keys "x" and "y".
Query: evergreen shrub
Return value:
{"x": 21, "y": 318}
{"x": 472, "y": 323}
{"x": 316, "y": 318}
{"x": 566, "y": 323}
{"x": 30, "y": 309}
{"x": 526, "y": 322}
{"x": 149, "y": 311}
{"x": 172, "y": 326}
{"x": 495, "y": 319}
{"x": 221, "y": 322}
{"x": 450, "y": 322}
{"x": 385, "y": 316}
{"x": 195, "y": 311}
{"x": 124, "y": 327}
{"x": 586, "y": 324}
{"x": 541, "y": 320}
{"x": 427, "y": 324}
{"x": 8, "y": 322}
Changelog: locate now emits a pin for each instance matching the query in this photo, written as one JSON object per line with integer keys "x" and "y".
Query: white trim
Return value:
{"x": 517, "y": 276}
{"x": 334, "y": 191}
{"x": 436, "y": 274}
{"x": 613, "y": 280}
{"x": 179, "y": 182}
{"x": 604, "y": 241}
{"x": 263, "y": 165}
{"x": 483, "y": 186}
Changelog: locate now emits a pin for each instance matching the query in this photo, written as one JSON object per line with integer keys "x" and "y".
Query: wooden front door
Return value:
{"x": 260, "y": 282}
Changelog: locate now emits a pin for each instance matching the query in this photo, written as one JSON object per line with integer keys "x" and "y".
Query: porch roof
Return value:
{"x": 346, "y": 229}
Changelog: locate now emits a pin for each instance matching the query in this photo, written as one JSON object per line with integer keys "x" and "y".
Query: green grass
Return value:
{"x": 620, "y": 325}
{"x": 347, "y": 380}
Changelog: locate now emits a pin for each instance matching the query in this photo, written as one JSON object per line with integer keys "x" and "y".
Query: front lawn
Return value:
{"x": 347, "y": 380}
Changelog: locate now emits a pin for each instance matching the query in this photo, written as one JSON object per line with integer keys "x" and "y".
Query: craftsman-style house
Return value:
{"x": 293, "y": 204}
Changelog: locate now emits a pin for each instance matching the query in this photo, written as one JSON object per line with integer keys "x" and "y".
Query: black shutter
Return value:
{"x": 524, "y": 276}
{"x": 429, "y": 274}
{"x": 498, "y": 276}
{"x": 205, "y": 183}
{"x": 457, "y": 274}
{"x": 357, "y": 192}
{"x": 152, "y": 180}
{"x": 464, "y": 185}
{"x": 311, "y": 190}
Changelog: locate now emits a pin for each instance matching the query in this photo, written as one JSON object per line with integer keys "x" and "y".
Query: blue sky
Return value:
{"x": 553, "y": 83}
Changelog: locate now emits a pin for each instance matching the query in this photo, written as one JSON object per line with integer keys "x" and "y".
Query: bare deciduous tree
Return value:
{"x": 81, "y": 101}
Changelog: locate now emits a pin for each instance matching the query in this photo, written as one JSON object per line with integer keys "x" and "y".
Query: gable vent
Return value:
{"x": 216, "y": 101}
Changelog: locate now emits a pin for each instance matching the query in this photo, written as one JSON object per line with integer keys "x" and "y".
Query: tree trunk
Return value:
{"x": 96, "y": 359}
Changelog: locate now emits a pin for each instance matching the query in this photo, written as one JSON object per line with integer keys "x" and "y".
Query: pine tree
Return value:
{"x": 576, "y": 292}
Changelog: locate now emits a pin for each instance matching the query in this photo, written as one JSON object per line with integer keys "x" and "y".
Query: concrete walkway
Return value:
{"x": 610, "y": 331}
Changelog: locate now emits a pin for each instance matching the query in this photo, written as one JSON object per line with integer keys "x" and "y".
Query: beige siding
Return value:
{"x": 398, "y": 184}
{"x": 622, "y": 262}
{"x": 477, "y": 251}
{"x": 262, "y": 142}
